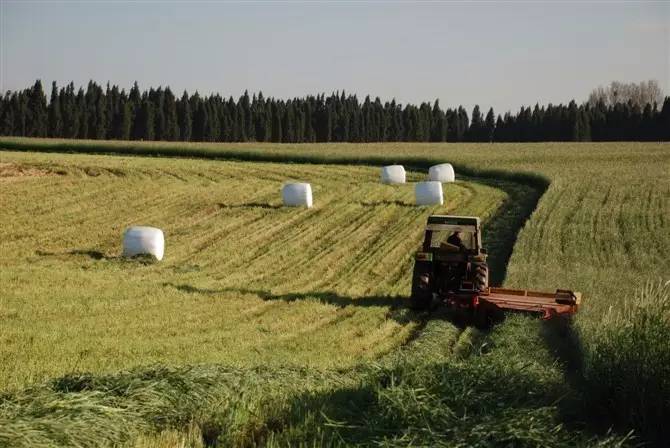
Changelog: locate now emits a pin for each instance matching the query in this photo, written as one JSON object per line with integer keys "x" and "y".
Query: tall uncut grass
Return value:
{"x": 627, "y": 362}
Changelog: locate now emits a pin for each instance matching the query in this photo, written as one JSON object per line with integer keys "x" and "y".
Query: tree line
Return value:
{"x": 157, "y": 114}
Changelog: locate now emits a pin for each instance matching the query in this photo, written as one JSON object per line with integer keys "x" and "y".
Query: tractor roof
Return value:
{"x": 454, "y": 220}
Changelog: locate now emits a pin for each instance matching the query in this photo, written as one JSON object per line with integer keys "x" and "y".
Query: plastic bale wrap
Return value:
{"x": 443, "y": 172}
{"x": 393, "y": 174}
{"x": 141, "y": 240}
{"x": 429, "y": 193}
{"x": 297, "y": 195}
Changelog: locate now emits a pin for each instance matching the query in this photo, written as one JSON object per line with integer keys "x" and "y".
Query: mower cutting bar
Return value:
{"x": 562, "y": 302}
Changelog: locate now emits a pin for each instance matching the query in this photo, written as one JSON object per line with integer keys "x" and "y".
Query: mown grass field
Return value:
{"x": 330, "y": 303}
{"x": 245, "y": 281}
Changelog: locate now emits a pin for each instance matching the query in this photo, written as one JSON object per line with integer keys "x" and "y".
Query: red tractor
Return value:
{"x": 451, "y": 269}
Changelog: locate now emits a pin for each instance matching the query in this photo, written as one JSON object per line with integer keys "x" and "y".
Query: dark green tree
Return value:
{"x": 55, "y": 116}
{"x": 37, "y": 116}
{"x": 171, "y": 120}
{"x": 125, "y": 120}
{"x": 439, "y": 124}
{"x": 477, "y": 129}
{"x": 82, "y": 111}
{"x": 145, "y": 118}
{"x": 184, "y": 118}
{"x": 490, "y": 125}
{"x": 664, "y": 121}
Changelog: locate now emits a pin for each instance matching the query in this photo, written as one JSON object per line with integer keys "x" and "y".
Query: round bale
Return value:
{"x": 393, "y": 174}
{"x": 297, "y": 195}
{"x": 142, "y": 240}
{"x": 443, "y": 172}
{"x": 429, "y": 193}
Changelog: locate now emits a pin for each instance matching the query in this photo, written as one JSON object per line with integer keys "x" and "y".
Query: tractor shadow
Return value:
{"x": 396, "y": 306}
{"x": 324, "y": 297}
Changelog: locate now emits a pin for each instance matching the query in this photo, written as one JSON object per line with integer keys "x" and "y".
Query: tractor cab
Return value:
{"x": 453, "y": 238}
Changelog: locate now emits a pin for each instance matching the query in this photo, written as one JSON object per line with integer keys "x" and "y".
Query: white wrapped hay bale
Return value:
{"x": 297, "y": 195}
{"x": 141, "y": 240}
{"x": 428, "y": 193}
{"x": 443, "y": 172}
{"x": 393, "y": 174}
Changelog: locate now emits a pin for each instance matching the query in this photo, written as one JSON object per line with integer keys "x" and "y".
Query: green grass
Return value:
{"x": 244, "y": 281}
{"x": 601, "y": 227}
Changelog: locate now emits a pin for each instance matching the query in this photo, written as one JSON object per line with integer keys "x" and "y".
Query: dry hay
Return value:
{"x": 12, "y": 172}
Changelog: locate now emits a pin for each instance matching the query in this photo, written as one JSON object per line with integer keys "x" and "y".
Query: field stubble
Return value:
{"x": 244, "y": 281}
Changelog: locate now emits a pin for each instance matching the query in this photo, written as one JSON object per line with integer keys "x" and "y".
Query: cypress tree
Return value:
{"x": 240, "y": 123}
{"x": 309, "y": 129}
{"x": 248, "y": 131}
{"x": 69, "y": 112}
{"x": 184, "y": 118}
{"x": 135, "y": 101}
{"x": 463, "y": 124}
{"x": 424, "y": 122}
{"x": 499, "y": 131}
{"x": 8, "y": 114}
{"x": 477, "y": 129}
{"x": 212, "y": 125}
{"x": 288, "y": 122}
{"x": 276, "y": 122}
{"x": 101, "y": 115}
{"x": 490, "y": 125}
{"x": 55, "y": 116}
{"x": 586, "y": 124}
{"x": 37, "y": 117}
{"x": 647, "y": 128}
{"x": 199, "y": 118}
{"x": 438, "y": 125}
{"x": 157, "y": 98}
{"x": 22, "y": 114}
{"x": 125, "y": 120}
{"x": 145, "y": 119}
{"x": 225, "y": 123}
{"x": 171, "y": 121}
{"x": 664, "y": 120}
{"x": 82, "y": 111}
{"x": 260, "y": 117}
{"x": 91, "y": 115}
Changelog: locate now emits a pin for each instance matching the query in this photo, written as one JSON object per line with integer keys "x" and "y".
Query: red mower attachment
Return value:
{"x": 561, "y": 303}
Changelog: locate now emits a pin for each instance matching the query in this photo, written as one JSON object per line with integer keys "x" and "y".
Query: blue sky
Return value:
{"x": 494, "y": 54}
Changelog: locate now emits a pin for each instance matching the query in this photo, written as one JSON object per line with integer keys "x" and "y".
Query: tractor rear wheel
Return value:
{"x": 482, "y": 277}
